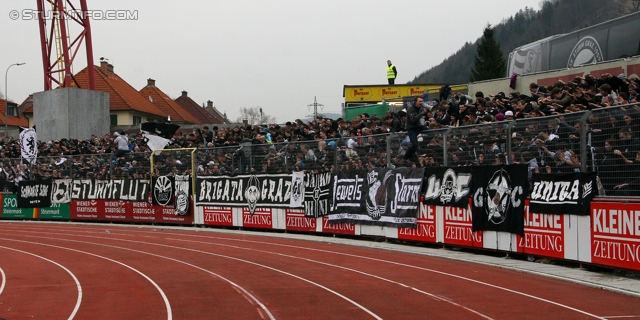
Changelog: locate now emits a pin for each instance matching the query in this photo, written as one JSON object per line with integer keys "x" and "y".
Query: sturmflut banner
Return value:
{"x": 317, "y": 194}
{"x": 448, "y": 186}
{"x": 116, "y": 189}
{"x": 569, "y": 193}
{"x": 268, "y": 190}
{"x": 498, "y": 198}
{"x": 382, "y": 196}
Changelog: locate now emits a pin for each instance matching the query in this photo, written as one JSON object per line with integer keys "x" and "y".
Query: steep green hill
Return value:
{"x": 526, "y": 26}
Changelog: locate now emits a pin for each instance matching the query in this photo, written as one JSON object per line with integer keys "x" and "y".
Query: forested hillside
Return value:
{"x": 526, "y": 26}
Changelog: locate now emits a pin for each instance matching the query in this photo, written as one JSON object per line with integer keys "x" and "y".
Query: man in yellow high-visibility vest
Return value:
{"x": 391, "y": 72}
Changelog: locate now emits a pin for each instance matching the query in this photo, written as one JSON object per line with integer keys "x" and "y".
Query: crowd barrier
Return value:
{"x": 609, "y": 236}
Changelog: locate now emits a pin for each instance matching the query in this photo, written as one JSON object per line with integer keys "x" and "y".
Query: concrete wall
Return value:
{"x": 70, "y": 112}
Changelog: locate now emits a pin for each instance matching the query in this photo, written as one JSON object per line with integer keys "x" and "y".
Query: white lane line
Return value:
{"x": 623, "y": 317}
{"x": 164, "y": 297}
{"x": 436, "y": 297}
{"x": 375, "y": 316}
{"x": 4, "y": 280}
{"x": 78, "y": 286}
{"x": 402, "y": 264}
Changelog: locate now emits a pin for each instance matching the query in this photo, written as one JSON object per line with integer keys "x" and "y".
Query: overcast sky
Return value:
{"x": 277, "y": 54}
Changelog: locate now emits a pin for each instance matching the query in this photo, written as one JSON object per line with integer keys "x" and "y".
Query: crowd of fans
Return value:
{"x": 464, "y": 131}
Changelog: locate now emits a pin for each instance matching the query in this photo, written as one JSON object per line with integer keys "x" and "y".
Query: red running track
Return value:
{"x": 65, "y": 271}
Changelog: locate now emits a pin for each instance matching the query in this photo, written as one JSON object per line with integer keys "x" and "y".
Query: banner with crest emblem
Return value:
{"x": 162, "y": 193}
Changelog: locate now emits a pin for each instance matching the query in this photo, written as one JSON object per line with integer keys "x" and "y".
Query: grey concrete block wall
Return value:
{"x": 70, "y": 112}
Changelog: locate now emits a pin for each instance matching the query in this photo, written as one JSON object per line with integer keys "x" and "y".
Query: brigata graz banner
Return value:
{"x": 116, "y": 189}
{"x": 382, "y": 196}
{"x": 498, "y": 198}
{"x": 569, "y": 193}
{"x": 34, "y": 194}
{"x": 267, "y": 190}
{"x": 448, "y": 186}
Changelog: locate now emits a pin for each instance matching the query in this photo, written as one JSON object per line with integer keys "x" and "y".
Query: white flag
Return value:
{"x": 29, "y": 144}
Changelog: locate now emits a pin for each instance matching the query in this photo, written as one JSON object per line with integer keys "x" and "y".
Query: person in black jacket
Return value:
{"x": 414, "y": 125}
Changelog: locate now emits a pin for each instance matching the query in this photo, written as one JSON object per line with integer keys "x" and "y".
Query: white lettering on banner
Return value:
{"x": 326, "y": 226}
{"x": 543, "y": 242}
{"x": 109, "y": 189}
{"x": 427, "y": 213}
{"x": 301, "y": 222}
{"x": 347, "y": 190}
{"x": 40, "y": 190}
{"x": 407, "y": 192}
{"x": 461, "y": 233}
{"x": 421, "y": 230}
{"x": 629, "y": 252}
{"x": 538, "y": 220}
{"x": 217, "y": 217}
{"x": 621, "y": 222}
{"x": 457, "y": 214}
{"x": 556, "y": 191}
{"x": 260, "y": 219}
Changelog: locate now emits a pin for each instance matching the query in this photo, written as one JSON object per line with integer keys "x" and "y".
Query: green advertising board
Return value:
{"x": 10, "y": 208}
{"x": 58, "y": 211}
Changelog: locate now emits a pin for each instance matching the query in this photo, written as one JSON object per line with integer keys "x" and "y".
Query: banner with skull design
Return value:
{"x": 498, "y": 198}
{"x": 252, "y": 191}
{"x": 448, "y": 187}
{"x": 381, "y": 196}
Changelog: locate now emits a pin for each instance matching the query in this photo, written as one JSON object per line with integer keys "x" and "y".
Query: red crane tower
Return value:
{"x": 55, "y": 18}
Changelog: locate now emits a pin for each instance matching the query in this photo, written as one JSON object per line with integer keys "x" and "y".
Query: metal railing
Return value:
{"x": 604, "y": 140}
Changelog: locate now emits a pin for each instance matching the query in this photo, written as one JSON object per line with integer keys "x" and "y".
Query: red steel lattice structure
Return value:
{"x": 58, "y": 52}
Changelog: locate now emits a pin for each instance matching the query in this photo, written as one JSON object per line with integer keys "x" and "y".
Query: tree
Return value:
{"x": 489, "y": 62}
{"x": 255, "y": 115}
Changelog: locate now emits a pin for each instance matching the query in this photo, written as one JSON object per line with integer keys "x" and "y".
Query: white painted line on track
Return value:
{"x": 375, "y": 316}
{"x": 4, "y": 280}
{"x": 395, "y": 263}
{"x": 164, "y": 297}
{"x": 78, "y": 286}
{"x": 436, "y": 297}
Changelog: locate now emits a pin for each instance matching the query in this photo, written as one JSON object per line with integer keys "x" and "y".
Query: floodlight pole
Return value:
{"x": 6, "y": 99}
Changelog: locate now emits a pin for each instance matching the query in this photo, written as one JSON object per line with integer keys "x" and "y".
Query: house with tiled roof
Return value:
{"x": 127, "y": 106}
{"x": 12, "y": 120}
{"x": 178, "y": 114}
{"x": 216, "y": 113}
{"x": 200, "y": 112}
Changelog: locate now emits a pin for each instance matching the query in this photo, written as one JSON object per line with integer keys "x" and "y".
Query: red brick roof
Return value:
{"x": 13, "y": 121}
{"x": 163, "y": 102}
{"x": 122, "y": 96}
{"x": 27, "y": 105}
{"x": 196, "y": 110}
{"x": 216, "y": 114}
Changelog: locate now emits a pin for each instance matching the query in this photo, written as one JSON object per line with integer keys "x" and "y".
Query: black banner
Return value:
{"x": 498, "y": 199}
{"x": 382, "y": 196}
{"x": 119, "y": 189}
{"x": 448, "y": 186}
{"x": 272, "y": 190}
{"x": 317, "y": 194}
{"x": 569, "y": 193}
{"x": 182, "y": 187}
{"x": 34, "y": 194}
{"x": 162, "y": 193}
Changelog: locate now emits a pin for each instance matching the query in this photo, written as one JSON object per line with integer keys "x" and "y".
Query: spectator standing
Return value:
{"x": 122, "y": 142}
{"x": 414, "y": 126}
{"x": 392, "y": 72}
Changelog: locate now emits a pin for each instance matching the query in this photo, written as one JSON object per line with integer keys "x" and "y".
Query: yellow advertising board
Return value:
{"x": 376, "y": 93}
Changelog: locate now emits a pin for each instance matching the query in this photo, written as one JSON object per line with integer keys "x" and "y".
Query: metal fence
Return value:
{"x": 604, "y": 140}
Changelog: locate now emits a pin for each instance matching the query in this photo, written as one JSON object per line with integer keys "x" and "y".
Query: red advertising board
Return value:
{"x": 296, "y": 221}
{"x": 142, "y": 212}
{"x": 615, "y": 234}
{"x": 543, "y": 234}
{"x": 168, "y": 215}
{"x": 261, "y": 218}
{"x": 218, "y": 216}
{"x": 425, "y": 230}
{"x": 87, "y": 210}
{"x": 458, "y": 228}
{"x": 337, "y": 228}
